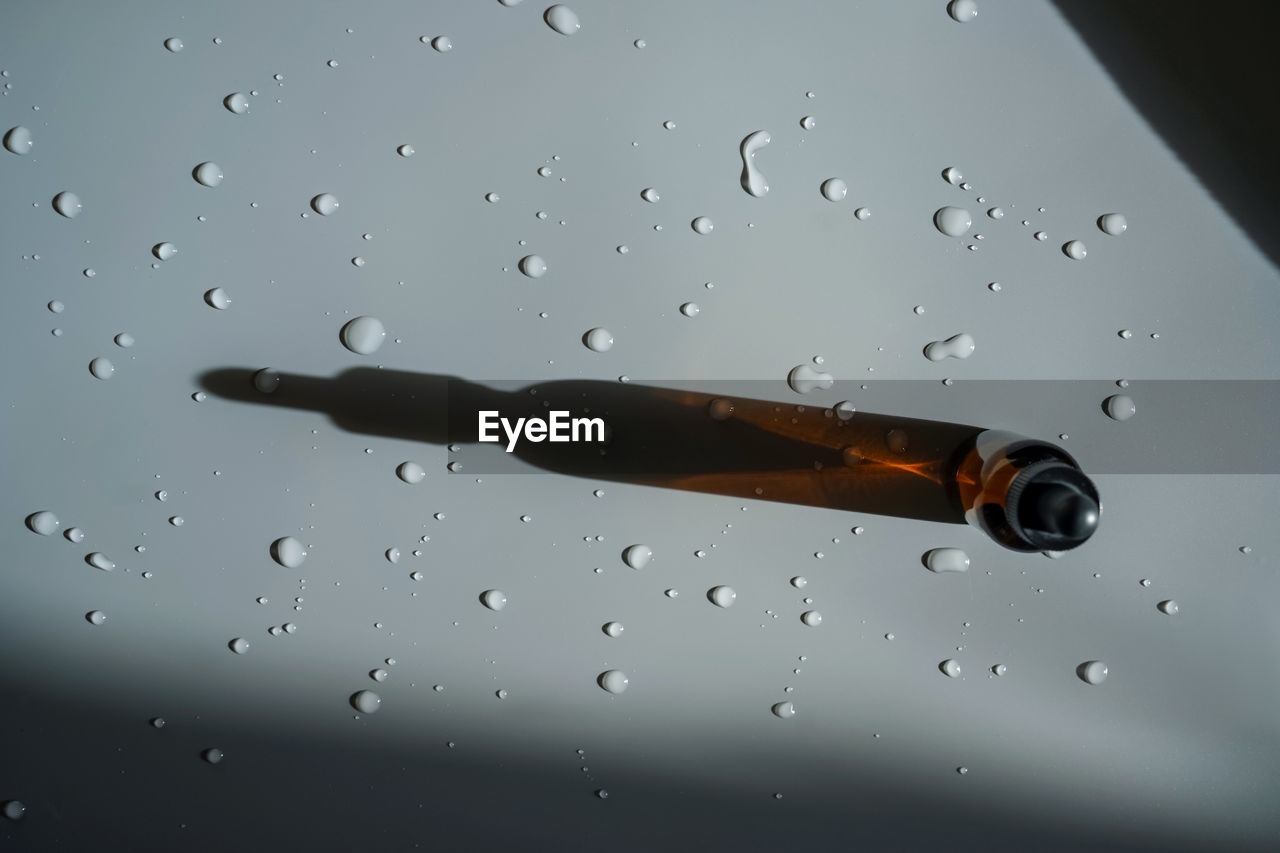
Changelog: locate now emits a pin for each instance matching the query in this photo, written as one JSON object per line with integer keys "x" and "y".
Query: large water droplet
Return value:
{"x": 1120, "y": 407}
{"x": 650, "y": 195}
{"x": 952, "y": 175}
{"x": 702, "y": 225}
{"x": 288, "y": 552}
{"x": 411, "y": 472}
{"x": 1092, "y": 672}
{"x": 173, "y": 45}
{"x": 805, "y": 378}
{"x": 18, "y": 140}
{"x": 562, "y": 19}
{"x": 996, "y": 213}
{"x": 637, "y": 556}
{"x": 834, "y": 189}
{"x": 102, "y": 368}
{"x": 43, "y": 522}
{"x": 14, "y": 809}
{"x": 1114, "y": 224}
{"x": 950, "y": 668}
{"x": 443, "y": 44}
{"x": 952, "y": 221}
{"x": 784, "y": 710}
{"x": 956, "y": 346}
{"x": 324, "y": 203}
{"x": 1075, "y": 250}
{"x": 164, "y": 251}
{"x": 962, "y": 11}
{"x": 213, "y": 755}
{"x": 217, "y": 298}
{"x": 752, "y": 179}
{"x": 947, "y": 560}
{"x": 494, "y": 599}
{"x": 74, "y": 534}
{"x": 239, "y": 645}
{"x": 722, "y": 596}
{"x": 236, "y": 103}
{"x": 533, "y": 266}
{"x": 99, "y": 561}
{"x": 207, "y": 174}
{"x": 266, "y": 380}
{"x": 612, "y": 629}
{"x": 366, "y": 701}
{"x": 67, "y": 204}
{"x": 690, "y": 309}
{"x": 812, "y": 618}
{"x": 363, "y": 335}
{"x": 613, "y": 680}
{"x": 598, "y": 340}
{"x": 1169, "y": 607}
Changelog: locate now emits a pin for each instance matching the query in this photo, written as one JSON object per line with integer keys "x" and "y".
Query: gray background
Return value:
{"x": 1177, "y": 748}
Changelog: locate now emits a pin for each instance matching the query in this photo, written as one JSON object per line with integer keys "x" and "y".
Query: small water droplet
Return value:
{"x": 962, "y": 11}
{"x": 999, "y": 669}
{"x": 96, "y": 617}
{"x": 613, "y": 629}
{"x": 995, "y": 287}
{"x": 1092, "y": 672}
{"x": 834, "y": 189}
{"x": 442, "y": 44}
{"x": 799, "y": 582}
{"x": 239, "y": 645}
{"x": 690, "y": 309}
{"x": 1125, "y": 333}
{"x": 18, "y": 140}
{"x": 173, "y": 45}
{"x": 650, "y": 195}
{"x": 212, "y": 755}
{"x": 812, "y": 618}
{"x": 102, "y": 368}
{"x": 1042, "y": 236}
{"x": 164, "y": 251}
{"x": 43, "y": 522}
{"x": 324, "y": 203}
{"x": 67, "y": 204}
{"x": 405, "y": 150}
{"x": 411, "y": 472}
{"x": 217, "y": 298}
{"x": 207, "y": 174}
{"x": 1169, "y": 607}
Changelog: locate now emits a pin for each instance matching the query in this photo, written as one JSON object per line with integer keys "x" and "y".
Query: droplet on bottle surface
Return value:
{"x": 962, "y": 11}
{"x": 613, "y": 681}
{"x": 217, "y": 298}
{"x": 43, "y": 522}
{"x": 650, "y": 195}
{"x": 96, "y": 617}
{"x": 862, "y": 213}
{"x": 1042, "y": 236}
{"x": 67, "y": 204}
{"x": 405, "y": 150}
{"x": 952, "y": 221}
{"x": 637, "y": 556}
{"x": 808, "y": 123}
{"x": 999, "y": 669}
{"x": 266, "y": 380}
{"x": 239, "y": 645}
{"x": 1092, "y": 672}
{"x": 74, "y": 534}
{"x": 720, "y": 409}
{"x": 363, "y": 335}
{"x": 1169, "y": 607}
{"x": 612, "y": 629}
{"x": 366, "y": 701}
{"x": 752, "y": 180}
{"x": 379, "y": 675}
{"x": 947, "y": 560}
{"x": 1075, "y": 250}
{"x": 236, "y": 103}
{"x": 995, "y": 287}
{"x": 722, "y": 596}
{"x": 164, "y": 251}
{"x": 834, "y": 189}
{"x": 996, "y": 213}
{"x": 102, "y": 368}
{"x": 950, "y": 668}
{"x": 690, "y": 309}
{"x": 207, "y": 174}
{"x": 411, "y": 472}
{"x": 99, "y": 561}
{"x": 442, "y": 44}
{"x": 324, "y": 203}
{"x": 812, "y": 618}
{"x": 1120, "y": 407}
{"x": 799, "y": 582}
{"x": 124, "y": 340}
{"x": 805, "y": 379}
{"x": 1114, "y": 224}
{"x": 18, "y": 140}
{"x": 288, "y": 552}
{"x": 702, "y": 225}
{"x": 494, "y": 599}
{"x": 952, "y": 176}
{"x": 533, "y": 266}
{"x": 173, "y": 45}
{"x": 784, "y": 710}
{"x": 562, "y": 19}
{"x": 956, "y": 346}
{"x": 598, "y": 340}
{"x": 213, "y": 755}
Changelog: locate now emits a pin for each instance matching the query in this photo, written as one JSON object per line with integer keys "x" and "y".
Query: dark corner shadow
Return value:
{"x": 1205, "y": 79}
{"x": 756, "y": 449}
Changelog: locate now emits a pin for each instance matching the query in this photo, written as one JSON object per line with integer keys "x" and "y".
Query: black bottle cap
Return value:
{"x": 1053, "y": 506}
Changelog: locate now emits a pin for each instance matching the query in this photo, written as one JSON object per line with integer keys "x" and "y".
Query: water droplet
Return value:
{"x": 67, "y": 204}
{"x": 379, "y": 675}
{"x": 1120, "y": 407}
{"x": 43, "y": 522}
{"x": 124, "y": 339}
{"x": 177, "y": 520}
{"x": 752, "y": 180}
{"x": 442, "y": 44}
{"x": 962, "y": 11}
{"x": 999, "y": 669}
{"x": 1075, "y": 250}
{"x": 722, "y": 596}
{"x": 640, "y": 43}
{"x": 1245, "y": 549}
{"x": 102, "y": 368}
{"x": 1092, "y": 672}
{"x": 947, "y": 560}
{"x": 411, "y": 472}
{"x": 288, "y": 552}
{"x": 613, "y": 680}
{"x": 363, "y": 335}
{"x": 994, "y": 287}
{"x": 996, "y": 213}
{"x": 950, "y": 668}
{"x": 99, "y": 561}
{"x": 613, "y": 629}
{"x": 266, "y": 380}
{"x": 598, "y": 340}
{"x": 405, "y": 150}
{"x": 164, "y": 251}
{"x": 217, "y": 298}
{"x": 1113, "y": 223}
{"x": 1169, "y": 607}
{"x": 1042, "y": 236}
{"x": 74, "y": 534}
{"x": 702, "y": 225}
{"x": 799, "y": 582}
{"x": 1125, "y": 333}
{"x": 18, "y": 140}
{"x": 173, "y": 45}
{"x": 212, "y": 755}
{"x": 637, "y": 556}
{"x": 562, "y": 19}
{"x": 324, "y": 203}
{"x": 834, "y": 189}
{"x": 366, "y": 701}
{"x": 207, "y": 174}
{"x": 239, "y": 645}
{"x": 812, "y": 618}
{"x": 952, "y": 221}
{"x": 862, "y": 214}
{"x": 494, "y": 599}
{"x": 784, "y": 710}
{"x": 952, "y": 176}
{"x": 805, "y": 378}
{"x": 650, "y": 195}
{"x": 956, "y": 346}
{"x": 963, "y": 771}
{"x": 669, "y": 125}
{"x": 157, "y": 722}
{"x": 533, "y": 266}
{"x": 236, "y": 103}
{"x": 690, "y": 309}
{"x": 96, "y": 617}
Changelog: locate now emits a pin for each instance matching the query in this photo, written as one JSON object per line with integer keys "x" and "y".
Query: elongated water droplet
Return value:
{"x": 1120, "y": 407}
{"x": 74, "y": 534}
{"x": 752, "y": 180}
{"x": 612, "y": 629}
{"x": 947, "y": 560}
{"x": 99, "y": 561}
{"x": 18, "y": 140}
{"x": 43, "y": 522}
{"x": 613, "y": 680}
{"x": 637, "y": 556}
{"x": 288, "y": 552}
{"x": 956, "y": 346}
{"x": 67, "y": 204}
{"x": 164, "y": 251}
{"x": 784, "y": 710}
{"x": 562, "y": 19}
{"x": 1114, "y": 224}
{"x": 834, "y": 189}
{"x": 805, "y": 378}
{"x": 952, "y": 221}
{"x": 236, "y": 103}
{"x": 1092, "y": 672}
{"x": 363, "y": 335}
{"x": 1169, "y": 607}
{"x": 173, "y": 45}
